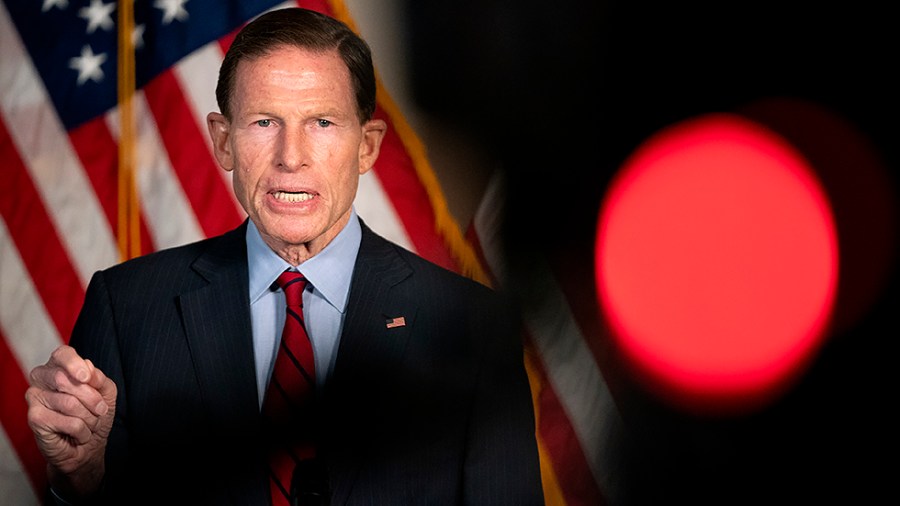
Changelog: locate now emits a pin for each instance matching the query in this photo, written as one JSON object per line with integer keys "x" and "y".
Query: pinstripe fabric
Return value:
{"x": 436, "y": 411}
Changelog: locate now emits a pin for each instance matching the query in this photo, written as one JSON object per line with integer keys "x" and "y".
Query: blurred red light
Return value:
{"x": 716, "y": 263}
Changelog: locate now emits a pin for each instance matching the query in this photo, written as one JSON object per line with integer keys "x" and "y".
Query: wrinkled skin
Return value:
{"x": 295, "y": 128}
{"x": 71, "y": 405}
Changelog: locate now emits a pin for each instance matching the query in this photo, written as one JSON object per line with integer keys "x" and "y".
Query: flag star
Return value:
{"x": 172, "y": 9}
{"x": 137, "y": 36}
{"x": 49, "y": 4}
{"x": 88, "y": 65}
{"x": 98, "y": 15}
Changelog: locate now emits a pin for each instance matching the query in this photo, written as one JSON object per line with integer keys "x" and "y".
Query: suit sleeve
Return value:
{"x": 502, "y": 464}
{"x": 94, "y": 338}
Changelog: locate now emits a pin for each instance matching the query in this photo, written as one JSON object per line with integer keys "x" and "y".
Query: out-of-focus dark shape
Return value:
{"x": 563, "y": 92}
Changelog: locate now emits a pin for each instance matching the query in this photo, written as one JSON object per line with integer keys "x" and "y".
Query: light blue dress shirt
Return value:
{"x": 324, "y": 300}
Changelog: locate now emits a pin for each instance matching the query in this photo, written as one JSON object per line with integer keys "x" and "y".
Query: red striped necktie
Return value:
{"x": 287, "y": 407}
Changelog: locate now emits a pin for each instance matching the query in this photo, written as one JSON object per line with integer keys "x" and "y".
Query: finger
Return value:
{"x": 65, "y": 359}
{"x": 58, "y": 380}
{"x": 64, "y": 404}
{"x": 65, "y": 372}
{"x": 102, "y": 383}
{"x": 69, "y": 360}
{"x": 96, "y": 377}
{"x": 48, "y": 424}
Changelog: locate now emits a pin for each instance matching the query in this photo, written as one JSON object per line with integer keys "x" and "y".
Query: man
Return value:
{"x": 420, "y": 392}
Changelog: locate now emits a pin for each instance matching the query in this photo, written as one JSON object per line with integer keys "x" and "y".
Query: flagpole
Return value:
{"x": 129, "y": 238}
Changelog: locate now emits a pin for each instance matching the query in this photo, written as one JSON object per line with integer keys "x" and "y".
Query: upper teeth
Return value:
{"x": 292, "y": 197}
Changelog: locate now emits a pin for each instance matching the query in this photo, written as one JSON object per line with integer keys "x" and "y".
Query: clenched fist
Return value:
{"x": 71, "y": 405}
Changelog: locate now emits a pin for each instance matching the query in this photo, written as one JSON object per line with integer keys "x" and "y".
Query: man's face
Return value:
{"x": 296, "y": 147}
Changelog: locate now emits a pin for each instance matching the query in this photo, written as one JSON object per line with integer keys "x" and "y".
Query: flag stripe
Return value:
{"x": 404, "y": 149}
{"x": 163, "y": 202}
{"x": 30, "y": 229}
{"x": 375, "y": 207}
{"x": 553, "y": 492}
{"x": 14, "y": 483}
{"x": 198, "y": 74}
{"x": 575, "y": 375}
{"x": 563, "y": 449}
{"x": 24, "y": 318}
{"x": 191, "y": 162}
{"x": 27, "y": 336}
{"x": 407, "y": 194}
{"x": 97, "y": 151}
{"x": 53, "y": 166}
{"x": 575, "y": 407}
{"x": 15, "y": 421}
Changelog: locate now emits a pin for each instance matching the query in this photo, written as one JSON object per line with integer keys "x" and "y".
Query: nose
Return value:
{"x": 294, "y": 148}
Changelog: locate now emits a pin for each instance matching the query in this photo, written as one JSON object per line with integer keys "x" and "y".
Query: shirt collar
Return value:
{"x": 329, "y": 271}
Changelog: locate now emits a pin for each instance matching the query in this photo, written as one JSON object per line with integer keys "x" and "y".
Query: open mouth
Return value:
{"x": 292, "y": 197}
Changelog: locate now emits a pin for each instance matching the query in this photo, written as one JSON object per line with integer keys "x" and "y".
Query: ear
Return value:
{"x": 220, "y": 133}
{"x": 372, "y": 134}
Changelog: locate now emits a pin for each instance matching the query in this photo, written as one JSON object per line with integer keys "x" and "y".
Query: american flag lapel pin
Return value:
{"x": 399, "y": 321}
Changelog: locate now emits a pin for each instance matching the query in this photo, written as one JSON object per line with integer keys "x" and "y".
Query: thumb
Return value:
{"x": 103, "y": 384}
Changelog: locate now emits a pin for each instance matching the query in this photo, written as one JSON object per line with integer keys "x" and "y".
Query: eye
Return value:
{"x": 264, "y": 123}
{"x": 324, "y": 123}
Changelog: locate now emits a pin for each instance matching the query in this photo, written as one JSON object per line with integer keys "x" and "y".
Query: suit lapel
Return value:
{"x": 368, "y": 343}
{"x": 216, "y": 320}
{"x": 217, "y": 323}
{"x": 372, "y": 304}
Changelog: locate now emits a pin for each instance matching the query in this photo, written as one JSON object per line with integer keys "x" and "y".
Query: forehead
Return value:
{"x": 293, "y": 66}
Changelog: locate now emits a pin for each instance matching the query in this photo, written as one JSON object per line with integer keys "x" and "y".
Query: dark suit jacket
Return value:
{"x": 434, "y": 412}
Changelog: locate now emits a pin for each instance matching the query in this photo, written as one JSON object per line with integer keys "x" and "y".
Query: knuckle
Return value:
{"x": 68, "y": 404}
{"x": 35, "y": 375}
{"x": 59, "y": 380}
{"x": 57, "y": 353}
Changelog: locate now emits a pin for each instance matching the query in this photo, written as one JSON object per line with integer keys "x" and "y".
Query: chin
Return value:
{"x": 289, "y": 233}
{"x": 298, "y": 236}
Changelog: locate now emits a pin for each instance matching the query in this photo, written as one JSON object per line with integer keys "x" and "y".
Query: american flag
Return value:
{"x": 63, "y": 140}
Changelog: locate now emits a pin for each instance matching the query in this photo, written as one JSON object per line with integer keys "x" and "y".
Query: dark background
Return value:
{"x": 562, "y": 92}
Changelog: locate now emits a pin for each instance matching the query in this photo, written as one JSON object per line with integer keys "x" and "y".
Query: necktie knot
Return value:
{"x": 293, "y": 283}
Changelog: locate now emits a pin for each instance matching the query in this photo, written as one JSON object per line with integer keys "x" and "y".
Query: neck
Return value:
{"x": 297, "y": 253}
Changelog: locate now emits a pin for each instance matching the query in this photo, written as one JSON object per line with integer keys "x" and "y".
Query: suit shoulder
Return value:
{"x": 165, "y": 263}
{"x": 425, "y": 267}
{"x": 448, "y": 289}
{"x": 161, "y": 259}
{"x": 375, "y": 248}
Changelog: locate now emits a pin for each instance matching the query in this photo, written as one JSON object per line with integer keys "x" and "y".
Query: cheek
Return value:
{"x": 341, "y": 164}
{"x": 252, "y": 155}
{"x": 251, "y": 159}
{"x": 348, "y": 183}
{"x": 244, "y": 178}
{"x": 239, "y": 181}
